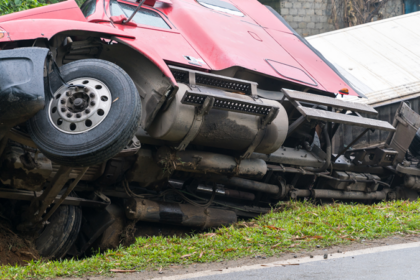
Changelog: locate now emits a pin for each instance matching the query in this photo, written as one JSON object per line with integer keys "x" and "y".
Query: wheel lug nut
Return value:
{"x": 78, "y": 115}
{"x": 63, "y": 109}
{"x": 85, "y": 89}
{"x": 67, "y": 93}
{"x": 62, "y": 101}
{"x": 87, "y": 111}
{"x": 69, "y": 115}
{"x": 92, "y": 103}
{"x": 92, "y": 95}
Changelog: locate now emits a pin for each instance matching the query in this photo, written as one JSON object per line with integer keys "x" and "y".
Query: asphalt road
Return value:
{"x": 398, "y": 263}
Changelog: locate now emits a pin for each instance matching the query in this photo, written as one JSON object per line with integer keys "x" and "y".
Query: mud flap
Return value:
{"x": 21, "y": 85}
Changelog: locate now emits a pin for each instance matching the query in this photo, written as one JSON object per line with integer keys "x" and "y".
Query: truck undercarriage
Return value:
{"x": 216, "y": 151}
{"x": 94, "y": 135}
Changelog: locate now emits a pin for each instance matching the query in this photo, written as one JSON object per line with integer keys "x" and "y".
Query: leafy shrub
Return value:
{"x": 11, "y": 6}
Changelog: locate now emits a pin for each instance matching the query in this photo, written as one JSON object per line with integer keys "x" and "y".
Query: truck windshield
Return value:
{"x": 143, "y": 16}
{"x": 88, "y": 8}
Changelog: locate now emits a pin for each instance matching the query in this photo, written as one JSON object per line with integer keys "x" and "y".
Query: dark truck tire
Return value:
{"x": 60, "y": 234}
{"x": 87, "y": 134}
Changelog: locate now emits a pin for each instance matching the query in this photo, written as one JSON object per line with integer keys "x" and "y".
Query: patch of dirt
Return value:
{"x": 15, "y": 249}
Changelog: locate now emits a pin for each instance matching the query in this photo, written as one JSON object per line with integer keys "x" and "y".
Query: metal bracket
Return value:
{"x": 199, "y": 115}
{"x": 264, "y": 121}
{"x": 33, "y": 215}
{"x": 68, "y": 191}
{"x": 103, "y": 197}
{"x": 296, "y": 97}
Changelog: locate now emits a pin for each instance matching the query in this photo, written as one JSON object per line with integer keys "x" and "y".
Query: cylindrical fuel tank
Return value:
{"x": 220, "y": 129}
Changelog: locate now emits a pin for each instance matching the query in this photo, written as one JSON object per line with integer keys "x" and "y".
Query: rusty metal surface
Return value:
{"x": 328, "y": 101}
{"x": 206, "y": 162}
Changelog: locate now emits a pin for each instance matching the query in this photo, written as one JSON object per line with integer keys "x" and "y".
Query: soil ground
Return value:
{"x": 15, "y": 249}
{"x": 258, "y": 259}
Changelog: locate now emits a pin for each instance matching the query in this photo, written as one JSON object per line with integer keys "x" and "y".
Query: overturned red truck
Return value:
{"x": 185, "y": 112}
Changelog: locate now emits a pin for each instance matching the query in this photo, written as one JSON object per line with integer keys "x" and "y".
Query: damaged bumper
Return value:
{"x": 21, "y": 85}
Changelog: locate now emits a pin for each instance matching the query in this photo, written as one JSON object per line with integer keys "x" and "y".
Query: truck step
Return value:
{"x": 196, "y": 98}
{"x": 345, "y": 119}
{"x": 192, "y": 77}
{"x": 336, "y": 117}
{"x": 328, "y": 101}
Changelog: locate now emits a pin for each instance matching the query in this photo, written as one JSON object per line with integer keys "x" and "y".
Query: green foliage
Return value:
{"x": 11, "y": 6}
{"x": 292, "y": 227}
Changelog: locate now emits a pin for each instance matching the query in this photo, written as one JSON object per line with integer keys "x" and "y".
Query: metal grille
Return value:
{"x": 207, "y": 79}
{"x": 228, "y": 104}
{"x": 180, "y": 76}
{"x": 210, "y": 81}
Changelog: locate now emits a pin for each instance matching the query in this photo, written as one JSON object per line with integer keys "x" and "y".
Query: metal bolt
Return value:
{"x": 69, "y": 115}
{"x": 78, "y": 115}
{"x": 63, "y": 109}
{"x": 78, "y": 103}
{"x": 68, "y": 93}
{"x": 87, "y": 111}
{"x": 85, "y": 89}
{"x": 92, "y": 103}
{"x": 62, "y": 101}
{"x": 92, "y": 95}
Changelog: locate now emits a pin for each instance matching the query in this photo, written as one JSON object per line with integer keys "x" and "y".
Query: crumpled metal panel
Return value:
{"x": 21, "y": 84}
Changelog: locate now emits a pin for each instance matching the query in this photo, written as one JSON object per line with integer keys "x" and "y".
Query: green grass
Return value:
{"x": 292, "y": 227}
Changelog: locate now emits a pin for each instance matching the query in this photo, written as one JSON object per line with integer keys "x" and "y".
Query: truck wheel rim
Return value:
{"x": 77, "y": 110}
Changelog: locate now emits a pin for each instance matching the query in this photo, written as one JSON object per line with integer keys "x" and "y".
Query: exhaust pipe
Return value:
{"x": 227, "y": 193}
{"x": 178, "y": 214}
{"x": 246, "y": 184}
{"x": 379, "y": 195}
